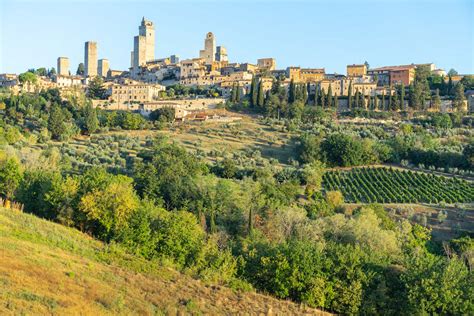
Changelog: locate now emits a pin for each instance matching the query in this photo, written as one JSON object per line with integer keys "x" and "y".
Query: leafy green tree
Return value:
{"x": 96, "y": 89}
{"x": 91, "y": 122}
{"x": 28, "y": 76}
{"x": 112, "y": 207}
{"x": 292, "y": 92}
{"x": 10, "y": 177}
{"x": 436, "y": 100}
{"x": 165, "y": 114}
{"x": 80, "y": 70}
{"x": 459, "y": 97}
{"x": 56, "y": 122}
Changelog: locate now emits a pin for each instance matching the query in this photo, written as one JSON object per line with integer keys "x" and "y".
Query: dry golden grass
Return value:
{"x": 48, "y": 269}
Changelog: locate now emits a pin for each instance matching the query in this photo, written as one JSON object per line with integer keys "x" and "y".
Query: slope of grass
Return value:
{"x": 46, "y": 268}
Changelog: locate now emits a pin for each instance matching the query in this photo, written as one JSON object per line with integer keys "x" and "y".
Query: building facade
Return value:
{"x": 356, "y": 70}
{"x": 266, "y": 64}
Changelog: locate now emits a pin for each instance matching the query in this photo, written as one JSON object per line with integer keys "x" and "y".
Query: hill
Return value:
{"x": 46, "y": 268}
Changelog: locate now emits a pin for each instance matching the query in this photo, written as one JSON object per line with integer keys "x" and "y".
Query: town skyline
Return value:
{"x": 116, "y": 45}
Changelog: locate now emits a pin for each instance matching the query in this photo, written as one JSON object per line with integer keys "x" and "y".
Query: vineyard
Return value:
{"x": 386, "y": 185}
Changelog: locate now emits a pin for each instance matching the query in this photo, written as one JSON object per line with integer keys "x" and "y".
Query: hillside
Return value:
{"x": 46, "y": 268}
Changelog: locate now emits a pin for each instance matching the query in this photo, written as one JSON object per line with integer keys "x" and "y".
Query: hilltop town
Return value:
{"x": 205, "y": 186}
{"x": 150, "y": 83}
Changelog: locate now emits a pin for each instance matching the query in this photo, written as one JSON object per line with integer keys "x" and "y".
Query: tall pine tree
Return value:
{"x": 349, "y": 94}
{"x": 253, "y": 91}
{"x": 329, "y": 99}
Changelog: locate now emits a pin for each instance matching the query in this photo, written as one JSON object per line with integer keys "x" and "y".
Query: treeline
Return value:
{"x": 255, "y": 232}
{"x": 47, "y": 115}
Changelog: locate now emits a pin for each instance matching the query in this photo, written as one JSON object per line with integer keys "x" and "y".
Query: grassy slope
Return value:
{"x": 46, "y": 268}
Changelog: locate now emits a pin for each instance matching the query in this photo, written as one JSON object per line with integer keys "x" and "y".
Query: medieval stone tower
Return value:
{"x": 90, "y": 59}
{"x": 209, "y": 51}
{"x": 143, "y": 45}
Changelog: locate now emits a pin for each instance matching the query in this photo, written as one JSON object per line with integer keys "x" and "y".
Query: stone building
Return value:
{"x": 128, "y": 92}
{"x": 356, "y": 70}
{"x": 266, "y": 64}
{"x": 63, "y": 66}
{"x": 90, "y": 59}
{"x": 103, "y": 67}
{"x": 209, "y": 51}
{"x": 68, "y": 81}
{"x": 304, "y": 75}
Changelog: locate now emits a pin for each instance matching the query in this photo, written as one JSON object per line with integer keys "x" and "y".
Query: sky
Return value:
{"x": 320, "y": 34}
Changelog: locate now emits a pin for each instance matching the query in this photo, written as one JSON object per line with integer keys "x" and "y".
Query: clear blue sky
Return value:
{"x": 328, "y": 34}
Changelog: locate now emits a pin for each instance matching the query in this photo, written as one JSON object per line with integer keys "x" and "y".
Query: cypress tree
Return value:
{"x": 237, "y": 94}
{"x": 305, "y": 92}
{"x": 390, "y": 99}
{"x": 233, "y": 96}
{"x": 260, "y": 95}
{"x": 402, "y": 97}
{"x": 336, "y": 102}
{"x": 316, "y": 95}
{"x": 357, "y": 97}
{"x": 253, "y": 91}
{"x": 291, "y": 92}
{"x": 349, "y": 98}
{"x": 329, "y": 99}
{"x": 376, "y": 101}
{"x": 323, "y": 98}
{"x": 382, "y": 105}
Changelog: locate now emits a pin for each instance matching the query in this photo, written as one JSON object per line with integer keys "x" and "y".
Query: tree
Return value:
{"x": 357, "y": 98}
{"x": 165, "y": 114}
{"x": 292, "y": 92}
{"x": 28, "y": 76}
{"x": 452, "y": 72}
{"x": 80, "y": 70}
{"x": 336, "y": 102}
{"x": 459, "y": 97}
{"x": 260, "y": 95}
{"x": 436, "y": 100}
{"x": 233, "y": 97}
{"x": 312, "y": 176}
{"x": 111, "y": 207}
{"x": 10, "y": 177}
{"x": 237, "y": 94}
{"x": 254, "y": 91}
{"x": 402, "y": 96}
{"x": 349, "y": 99}
{"x": 382, "y": 104}
{"x": 329, "y": 99}
{"x": 96, "y": 89}
{"x": 91, "y": 123}
{"x": 376, "y": 101}
{"x": 316, "y": 95}
{"x": 56, "y": 122}
{"x": 52, "y": 72}
{"x": 323, "y": 98}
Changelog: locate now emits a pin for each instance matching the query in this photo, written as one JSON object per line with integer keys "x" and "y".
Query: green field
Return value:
{"x": 386, "y": 185}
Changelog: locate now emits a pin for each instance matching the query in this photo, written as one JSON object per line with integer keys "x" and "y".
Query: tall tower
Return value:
{"x": 90, "y": 59}
{"x": 103, "y": 67}
{"x": 143, "y": 45}
{"x": 209, "y": 51}
{"x": 148, "y": 30}
{"x": 63, "y": 66}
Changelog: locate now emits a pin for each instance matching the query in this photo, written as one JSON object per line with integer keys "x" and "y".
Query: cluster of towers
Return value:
{"x": 143, "y": 52}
